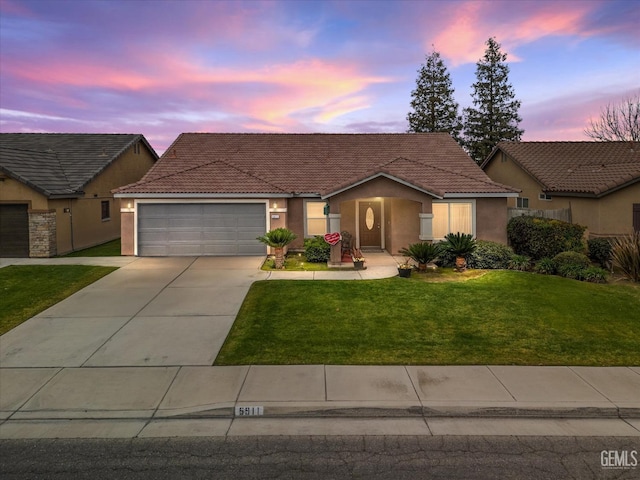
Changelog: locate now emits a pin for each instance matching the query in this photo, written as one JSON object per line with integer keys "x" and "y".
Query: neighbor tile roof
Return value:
{"x": 316, "y": 164}
{"x": 61, "y": 164}
{"x": 595, "y": 168}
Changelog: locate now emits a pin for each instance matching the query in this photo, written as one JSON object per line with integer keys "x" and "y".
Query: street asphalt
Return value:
{"x": 131, "y": 356}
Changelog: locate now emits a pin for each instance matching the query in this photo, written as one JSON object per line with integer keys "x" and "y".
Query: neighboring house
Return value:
{"x": 213, "y": 194}
{"x": 55, "y": 189}
{"x": 598, "y": 181}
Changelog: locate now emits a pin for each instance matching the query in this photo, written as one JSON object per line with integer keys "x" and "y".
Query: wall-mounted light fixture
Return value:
{"x": 275, "y": 204}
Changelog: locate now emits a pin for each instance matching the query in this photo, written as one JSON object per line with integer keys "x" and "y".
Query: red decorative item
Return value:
{"x": 332, "y": 238}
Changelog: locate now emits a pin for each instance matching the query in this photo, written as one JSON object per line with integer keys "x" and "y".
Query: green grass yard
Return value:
{"x": 28, "y": 290}
{"x": 109, "y": 249}
{"x": 501, "y": 317}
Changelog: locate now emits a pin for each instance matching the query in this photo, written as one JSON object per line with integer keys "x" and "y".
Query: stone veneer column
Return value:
{"x": 42, "y": 233}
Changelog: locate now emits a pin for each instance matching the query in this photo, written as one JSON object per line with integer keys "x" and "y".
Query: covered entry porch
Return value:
{"x": 380, "y": 214}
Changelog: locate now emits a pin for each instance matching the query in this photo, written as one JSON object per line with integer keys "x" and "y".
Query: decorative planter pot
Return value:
{"x": 358, "y": 265}
{"x": 404, "y": 272}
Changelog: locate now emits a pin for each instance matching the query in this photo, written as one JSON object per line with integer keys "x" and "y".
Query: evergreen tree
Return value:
{"x": 494, "y": 116}
{"x": 434, "y": 108}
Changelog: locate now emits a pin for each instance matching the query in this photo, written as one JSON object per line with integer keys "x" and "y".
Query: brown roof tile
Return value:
{"x": 577, "y": 167}
{"x": 319, "y": 164}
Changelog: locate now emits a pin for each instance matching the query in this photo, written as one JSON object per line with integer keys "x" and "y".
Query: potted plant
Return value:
{"x": 404, "y": 269}
{"x": 358, "y": 259}
{"x": 460, "y": 245}
{"x": 278, "y": 239}
{"x": 422, "y": 253}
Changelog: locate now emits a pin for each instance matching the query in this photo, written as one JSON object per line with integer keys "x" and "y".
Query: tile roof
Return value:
{"x": 593, "y": 168}
{"x": 61, "y": 164}
{"x": 313, "y": 164}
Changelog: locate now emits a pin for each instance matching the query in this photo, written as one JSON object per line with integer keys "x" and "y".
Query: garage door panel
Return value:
{"x": 14, "y": 230}
{"x": 201, "y": 229}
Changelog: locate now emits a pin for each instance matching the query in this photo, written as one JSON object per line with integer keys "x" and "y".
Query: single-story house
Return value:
{"x": 214, "y": 193}
{"x": 599, "y": 182}
{"x": 55, "y": 189}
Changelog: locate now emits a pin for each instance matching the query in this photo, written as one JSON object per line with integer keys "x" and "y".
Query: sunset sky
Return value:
{"x": 161, "y": 68}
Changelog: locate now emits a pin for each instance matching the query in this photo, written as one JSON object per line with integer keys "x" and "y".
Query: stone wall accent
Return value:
{"x": 42, "y": 233}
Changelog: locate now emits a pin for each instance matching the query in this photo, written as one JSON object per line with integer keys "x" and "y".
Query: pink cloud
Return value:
{"x": 566, "y": 118}
{"x": 473, "y": 22}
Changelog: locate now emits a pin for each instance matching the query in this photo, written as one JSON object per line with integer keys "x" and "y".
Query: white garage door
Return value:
{"x": 174, "y": 229}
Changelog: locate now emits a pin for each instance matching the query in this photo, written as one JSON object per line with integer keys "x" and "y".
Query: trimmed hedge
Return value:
{"x": 600, "y": 251}
{"x": 490, "y": 255}
{"x": 317, "y": 250}
{"x": 542, "y": 237}
{"x": 571, "y": 258}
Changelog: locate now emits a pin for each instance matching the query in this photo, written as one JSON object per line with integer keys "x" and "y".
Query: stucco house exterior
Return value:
{"x": 214, "y": 193}
{"x": 55, "y": 189}
{"x": 598, "y": 181}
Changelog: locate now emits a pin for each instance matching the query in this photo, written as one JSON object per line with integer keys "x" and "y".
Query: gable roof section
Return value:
{"x": 311, "y": 164}
{"x": 61, "y": 164}
{"x": 581, "y": 168}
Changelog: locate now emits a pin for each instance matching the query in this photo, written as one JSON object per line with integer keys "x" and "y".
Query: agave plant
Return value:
{"x": 421, "y": 253}
{"x": 460, "y": 245}
{"x": 278, "y": 239}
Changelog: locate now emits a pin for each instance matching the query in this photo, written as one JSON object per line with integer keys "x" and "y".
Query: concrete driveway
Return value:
{"x": 152, "y": 312}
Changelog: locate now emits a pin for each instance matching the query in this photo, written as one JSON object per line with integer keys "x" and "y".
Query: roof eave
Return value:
{"x": 213, "y": 195}
{"x": 482, "y": 195}
{"x": 386, "y": 175}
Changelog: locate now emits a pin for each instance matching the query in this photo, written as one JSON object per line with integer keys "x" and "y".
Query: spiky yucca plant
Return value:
{"x": 278, "y": 239}
{"x": 460, "y": 245}
{"x": 421, "y": 253}
{"x": 625, "y": 252}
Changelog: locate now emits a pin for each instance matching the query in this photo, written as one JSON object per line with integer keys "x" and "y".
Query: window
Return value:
{"x": 106, "y": 213}
{"x": 452, "y": 217}
{"x": 316, "y": 221}
{"x": 522, "y": 202}
{"x": 544, "y": 196}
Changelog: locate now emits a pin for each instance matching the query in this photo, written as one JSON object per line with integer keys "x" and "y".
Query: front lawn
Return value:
{"x": 28, "y": 290}
{"x": 501, "y": 317}
{"x": 109, "y": 249}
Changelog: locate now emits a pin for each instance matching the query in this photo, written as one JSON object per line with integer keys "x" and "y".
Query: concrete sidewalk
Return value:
{"x": 131, "y": 356}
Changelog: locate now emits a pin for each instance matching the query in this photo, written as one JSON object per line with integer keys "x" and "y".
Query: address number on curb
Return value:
{"x": 249, "y": 411}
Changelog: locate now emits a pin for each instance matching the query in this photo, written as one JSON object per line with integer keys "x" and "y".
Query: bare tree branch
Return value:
{"x": 617, "y": 122}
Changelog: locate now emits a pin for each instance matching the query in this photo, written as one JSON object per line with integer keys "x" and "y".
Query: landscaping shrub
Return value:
{"x": 625, "y": 252}
{"x": 571, "y": 270}
{"x": 316, "y": 250}
{"x": 595, "y": 275}
{"x": 422, "y": 253}
{"x": 490, "y": 255}
{"x": 571, "y": 258}
{"x": 445, "y": 259}
{"x": 541, "y": 237}
{"x": 600, "y": 251}
{"x": 546, "y": 266}
{"x": 519, "y": 262}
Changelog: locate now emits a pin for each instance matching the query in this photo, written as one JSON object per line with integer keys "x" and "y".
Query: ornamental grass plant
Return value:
{"x": 625, "y": 252}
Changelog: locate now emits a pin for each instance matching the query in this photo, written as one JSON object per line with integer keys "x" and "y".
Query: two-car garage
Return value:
{"x": 174, "y": 229}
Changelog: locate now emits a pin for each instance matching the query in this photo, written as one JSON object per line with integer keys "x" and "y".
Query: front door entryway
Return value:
{"x": 369, "y": 224}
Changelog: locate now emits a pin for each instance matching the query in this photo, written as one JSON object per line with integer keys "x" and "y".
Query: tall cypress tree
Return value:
{"x": 434, "y": 108}
{"x": 494, "y": 116}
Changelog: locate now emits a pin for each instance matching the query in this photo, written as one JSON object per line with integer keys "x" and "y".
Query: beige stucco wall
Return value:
{"x": 402, "y": 223}
{"x": 491, "y": 219}
{"x": 12, "y": 191}
{"x": 610, "y": 215}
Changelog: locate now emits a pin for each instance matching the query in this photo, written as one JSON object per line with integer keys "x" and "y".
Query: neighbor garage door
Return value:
{"x": 14, "y": 230}
{"x": 166, "y": 229}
